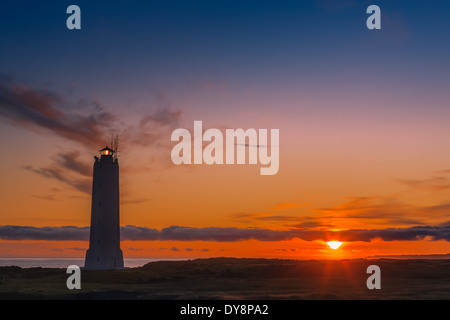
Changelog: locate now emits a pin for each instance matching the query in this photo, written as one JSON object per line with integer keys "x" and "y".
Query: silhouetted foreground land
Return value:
{"x": 229, "y": 278}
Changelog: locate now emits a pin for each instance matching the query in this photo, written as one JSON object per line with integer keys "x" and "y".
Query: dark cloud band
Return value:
{"x": 178, "y": 233}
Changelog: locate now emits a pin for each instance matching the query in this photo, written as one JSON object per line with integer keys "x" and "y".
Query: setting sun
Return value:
{"x": 334, "y": 244}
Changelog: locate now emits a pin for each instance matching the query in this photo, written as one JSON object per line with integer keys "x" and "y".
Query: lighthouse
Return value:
{"x": 104, "y": 251}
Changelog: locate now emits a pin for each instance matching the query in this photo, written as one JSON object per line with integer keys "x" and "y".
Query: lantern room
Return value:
{"x": 106, "y": 152}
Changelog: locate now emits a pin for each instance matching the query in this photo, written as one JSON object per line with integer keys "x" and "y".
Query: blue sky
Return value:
{"x": 261, "y": 44}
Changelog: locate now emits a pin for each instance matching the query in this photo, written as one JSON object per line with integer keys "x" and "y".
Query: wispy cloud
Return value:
{"x": 83, "y": 185}
{"x": 49, "y": 197}
{"x": 437, "y": 182}
{"x": 44, "y": 111}
{"x": 48, "y": 112}
{"x": 69, "y": 160}
{"x": 152, "y": 129}
{"x": 202, "y": 250}
{"x": 136, "y": 201}
{"x": 295, "y": 221}
{"x": 385, "y": 210}
{"x": 313, "y": 224}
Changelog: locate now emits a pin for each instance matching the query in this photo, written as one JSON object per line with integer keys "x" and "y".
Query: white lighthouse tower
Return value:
{"x": 104, "y": 251}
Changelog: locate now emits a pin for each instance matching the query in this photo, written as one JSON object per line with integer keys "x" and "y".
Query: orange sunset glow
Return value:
{"x": 363, "y": 120}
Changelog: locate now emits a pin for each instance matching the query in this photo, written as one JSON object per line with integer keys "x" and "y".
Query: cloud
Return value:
{"x": 178, "y": 233}
{"x": 134, "y": 249}
{"x": 44, "y": 110}
{"x": 76, "y": 249}
{"x": 49, "y": 197}
{"x": 66, "y": 168}
{"x": 300, "y": 222}
{"x": 88, "y": 124}
{"x": 57, "y": 173}
{"x": 136, "y": 201}
{"x": 217, "y": 234}
{"x": 201, "y": 250}
{"x": 153, "y": 129}
{"x": 312, "y": 224}
{"x": 278, "y": 218}
{"x": 438, "y": 182}
{"x": 384, "y": 209}
{"x": 396, "y": 209}
{"x": 398, "y": 234}
{"x": 162, "y": 116}
{"x": 251, "y": 217}
{"x": 68, "y": 233}
{"x": 48, "y": 111}
{"x": 69, "y": 160}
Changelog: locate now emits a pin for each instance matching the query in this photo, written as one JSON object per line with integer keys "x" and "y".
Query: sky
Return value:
{"x": 362, "y": 114}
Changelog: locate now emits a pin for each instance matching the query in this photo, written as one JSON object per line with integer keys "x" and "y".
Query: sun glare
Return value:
{"x": 334, "y": 244}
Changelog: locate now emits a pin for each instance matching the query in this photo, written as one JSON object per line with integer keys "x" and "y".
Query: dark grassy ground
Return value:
{"x": 229, "y": 278}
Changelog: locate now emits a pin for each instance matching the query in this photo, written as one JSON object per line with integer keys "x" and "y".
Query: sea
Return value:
{"x": 65, "y": 262}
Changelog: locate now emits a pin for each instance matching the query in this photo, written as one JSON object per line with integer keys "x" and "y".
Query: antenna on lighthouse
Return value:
{"x": 115, "y": 146}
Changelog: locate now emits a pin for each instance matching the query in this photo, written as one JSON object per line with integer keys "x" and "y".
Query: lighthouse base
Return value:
{"x": 99, "y": 260}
